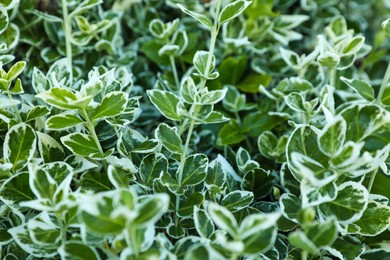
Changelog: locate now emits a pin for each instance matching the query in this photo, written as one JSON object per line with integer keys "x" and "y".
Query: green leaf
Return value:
{"x": 78, "y": 251}
{"x": 223, "y": 218}
{"x": 63, "y": 121}
{"x": 361, "y": 87}
{"x": 167, "y": 103}
{"x": 194, "y": 170}
{"x": 36, "y": 112}
{"x": 118, "y": 177}
{"x": 295, "y": 102}
{"x": 4, "y": 20}
{"x": 114, "y": 103}
{"x": 49, "y": 149}
{"x": 16, "y": 70}
{"x": 203, "y": 224}
{"x": 169, "y": 138}
{"x": 354, "y": 45}
{"x": 80, "y": 144}
{"x": 203, "y": 19}
{"x": 212, "y": 97}
{"x": 259, "y": 182}
{"x": 188, "y": 91}
{"x": 17, "y": 89}
{"x": 64, "y": 99}
{"x": 290, "y": 206}
{"x": 375, "y": 219}
{"x": 232, "y": 10}
{"x": 232, "y": 69}
{"x": 258, "y": 232}
{"x": 187, "y": 207}
{"x": 151, "y": 168}
{"x": 299, "y": 240}
{"x": 96, "y": 213}
{"x": 256, "y": 123}
{"x": 16, "y": 189}
{"x": 322, "y": 233}
{"x": 22, "y": 237}
{"x": 386, "y": 96}
{"x": 294, "y": 84}
{"x": 251, "y": 83}
{"x": 200, "y": 63}
{"x": 332, "y": 137}
{"x": 349, "y": 205}
{"x": 237, "y": 200}
{"x": 19, "y": 145}
{"x": 42, "y": 184}
{"x": 230, "y": 134}
{"x": 151, "y": 209}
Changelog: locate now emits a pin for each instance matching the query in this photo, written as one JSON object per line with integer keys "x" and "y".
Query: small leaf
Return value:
{"x": 19, "y": 145}
{"x": 223, "y": 218}
{"x": 200, "y": 62}
{"x": 375, "y": 219}
{"x": 354, "y": 45}
{"x": 361, "y": 87}
{"x": 151, "y": 168}
{"x": 16, "y": 70}
{"x": 232, "y": 10}
{"x": 199, "y": 17}
{"x": 112, "y": 104}
{"x": 80, "y": 144}
{"x": 349, "y": 205}
{"x": 64, "y": 99}
{"x": 386, "y": 96}
{"x": 167, "y": 103}
{"x": 237, "y": 200}
{"x": 194, "y": 170}
{"x": 332, "y": 137}
{"x": 151, "y": 209}
{"x": 16, "y": 189}
{"x": 187, "y": 207}
{"x": 203, "y": 224}
{"x": 77, "y": 250}
{"x": 63, "y": 121}
{"x": 169, "y": 138}
{"x": 36, "y": 112}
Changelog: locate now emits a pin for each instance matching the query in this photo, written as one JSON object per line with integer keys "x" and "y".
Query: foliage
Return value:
{"x": 171, "y": 129}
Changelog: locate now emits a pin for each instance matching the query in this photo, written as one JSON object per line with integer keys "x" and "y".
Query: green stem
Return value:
{"x": 332, "y": 77}
{"x": 384, "y": 84}
{"x": 304, "y": 255}
{"x": 91, "y": 129}
{"x": 62, "y": 227}
{"x": 68, "y": 35}
{"x": 372, "y": 179}
{"x": 174, "y": 71}
{"x": 15, "y": 109}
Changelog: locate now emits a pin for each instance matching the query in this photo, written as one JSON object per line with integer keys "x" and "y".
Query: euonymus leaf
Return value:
{"x": 322, "y": 233}
{"x": 194, "y": 170}
{"x": 16, "y": 70}
{"x": 232, "y": 10}
{"x": 386, "y": 96}
{"x": 152, "y": 166}
{"x": 16, "y": 189}
{"x": 80, "y": 144}
{"x": 375, "y": 219}
{"x": 290, "y": 206}
{"x": 201, "y": 60}
{"x": 300, "y": 240}
{"x": 169, "y": 138}
{"x": 236, "y": 200}
{"x": 361, "y": 87}
{"x": 112, "y": 104}
{"x": 78, "y": 250}
{"x": 203, "y": 224}
{"x": 19, "y": 145}
{"x": 151, "y": 209}
{"x": 223, "y": 218}
{"x": 199, "y": 17}
{"x": 349, "y": 205}
{"x": 167, "y": 103}
{"x": 332, "y": 137}
{"x": 36, "y": 112}
{"x": 63, "y": 121}
{"x": 64, "y": 99}
{"x": 187, "y": 207}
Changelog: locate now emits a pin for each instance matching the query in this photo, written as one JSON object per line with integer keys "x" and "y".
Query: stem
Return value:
{"x": 62, "y": 227}
{"x": 384, "y": 84}
{"x": 174, "y": 71}
{"x": 372, "y": 179}
{"x": 68, "y": 35}
{"x": 304, "y": 255}
{"x": 91, "y": 129}
{"x": 15, "y": 109}
{"x": 181, "y": 168}
{"x": 332, "y": 77}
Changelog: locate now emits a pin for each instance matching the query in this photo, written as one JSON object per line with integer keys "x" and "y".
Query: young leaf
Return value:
{"x": 223, "y": 218}
{"x": 200, "y": 62}
{"x": 64, "y": 99}
{"x": 203, "y": 19}
{"x": 167, "y": 103}
{"x": 232, "y": 10}
{"x": 349, "y": 205}
{"x": 19, "y": 145}
{"x": 112, "y": 104}
{"x": 16, "y": 70}
{"x": 361, "y": 87}
{"x": 169, "y": 138}
{"x": 63, "y": 121}
{"x": 237, "y": 200}
{"x": 80, "y": 144}
{"x": 194, "y": 170}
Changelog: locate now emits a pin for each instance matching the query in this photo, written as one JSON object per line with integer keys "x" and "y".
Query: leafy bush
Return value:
{"x": 194, "y": 129}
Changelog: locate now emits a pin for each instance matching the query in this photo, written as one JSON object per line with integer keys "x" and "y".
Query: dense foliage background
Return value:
{"x": 194, "y": 129}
